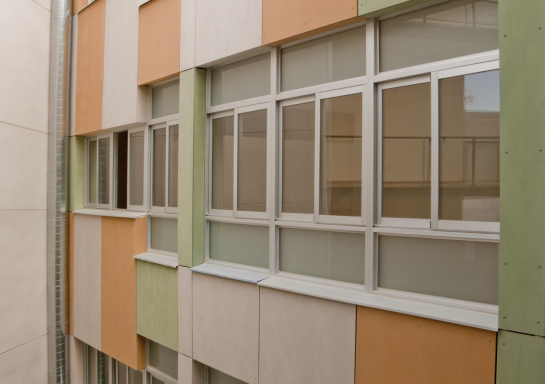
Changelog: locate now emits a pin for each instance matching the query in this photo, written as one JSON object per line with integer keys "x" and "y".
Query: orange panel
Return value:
{"x": 90, "y": 68}
{"x": 77, "y": 5}
{"x": 392, "y": 348}
{"x": 71, "y": 273}
{"x": 120, "y": 239}
{"x": 159, "y": 41}
{"x": 288, "y": 20}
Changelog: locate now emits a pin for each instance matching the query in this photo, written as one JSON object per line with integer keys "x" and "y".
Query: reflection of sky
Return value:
{"x": 482, "y": 92}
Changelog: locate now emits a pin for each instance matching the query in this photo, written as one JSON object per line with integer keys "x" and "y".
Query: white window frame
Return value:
{"x": 110, "y": 173}
{"x": 148, "y": 233}
{"x": 115, "y": 378}
{"x": 145, "y": 176}
{"x": 151, "y": 371}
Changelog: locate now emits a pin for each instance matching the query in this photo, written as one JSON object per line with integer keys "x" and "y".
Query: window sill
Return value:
{"x": 229, "y": 273}
{"x": 465, "y": 317}
{"x": 156, "y": 258}
{"x": 111, "y": 213}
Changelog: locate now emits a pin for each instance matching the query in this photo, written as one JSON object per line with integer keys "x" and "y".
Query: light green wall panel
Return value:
{"x": 522, "y": 166}
{"x": 521, "y": 358}
{"x": 157, "y": 303}
{"x": 191, "y": 167}
{"x": 376, "y": 8}
{"x": 76, "y": 172}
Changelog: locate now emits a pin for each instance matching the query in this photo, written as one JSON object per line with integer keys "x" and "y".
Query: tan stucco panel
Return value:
{"x": 71, "y": 273}
{"x": 288, "y": 20}
{"x": 90, "y": 67}
{"x": 77, "y": 5}
{"x": 396, "y": 348}
{"x": 121, "y": 239}
{"x": 159, "y": 41}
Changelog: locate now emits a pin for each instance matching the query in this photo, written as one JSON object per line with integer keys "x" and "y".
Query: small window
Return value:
{"x": 96, "y": 366}
{"x": 92, "y": 176}
{"x": 165, "y": 99}
{"x": 99, "y": 170}
{"x": 104, "y": 171}
{"x": 164, "y": 167}
{"x": 222, "y": 162}
{"x": 163, "y": 234}
{"x": 162, "y": 359}
{"x": 136, "y": 168}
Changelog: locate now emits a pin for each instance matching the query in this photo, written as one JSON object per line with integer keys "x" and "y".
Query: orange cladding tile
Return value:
{"x": 159, "y": 41}
{"x": 393, "y": 348}
{"x": 90, "y": 68}
{"x": 120, "y": 239}
{"x": 289, "y": 20}
{"x": 77, "y": 5}
{"x": 70, "y": 273}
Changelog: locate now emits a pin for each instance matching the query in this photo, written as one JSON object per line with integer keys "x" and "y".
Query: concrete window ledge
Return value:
{"x": 111, "y": 213}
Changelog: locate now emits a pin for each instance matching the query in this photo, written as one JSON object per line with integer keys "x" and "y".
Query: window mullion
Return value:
{"x": 317, "y": 124}
{"x": 434, "y": 150}
{"x": 235, "y": 163}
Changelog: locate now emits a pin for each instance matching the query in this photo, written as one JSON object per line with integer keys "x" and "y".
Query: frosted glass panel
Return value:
{"x": 104, "y": 171}
{"x": 242, "y": 80}
{"x": 159, "y": 167}
{"x": 330, "y": 58}
{"x": 461, "y": 270}
{"x": 217, "y": 377}
{"x": 165, "y": 99}
{"x": 329, "y": 255}
{"x": 135, "y": 377}
{"x": 164, "y": 234}
{"x": 469, "y": 149}
{"x": 242, "y": 244}
{"x": 163, "y": 358}
{"x": 173, "y": 166}
{"x": 222, "y": 162}
{"x": 136, "y": 169}
{"x": 92, "y": 182}
{"x": 406, "y": 152}
{"x": 298, "y": 158}
{"x": 444, "y": 31}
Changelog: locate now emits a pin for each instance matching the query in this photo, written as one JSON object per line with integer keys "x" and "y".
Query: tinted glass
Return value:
{"x": 164, "y": 359}
{"x": 217, "y": 377}
{"x": 222, "y": 162}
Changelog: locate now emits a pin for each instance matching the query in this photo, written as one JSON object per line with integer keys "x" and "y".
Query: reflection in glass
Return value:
{"x": 406, "y": 152}
{"x": 164, "y": 234}
{"x": 104, "y": 171}
{"x": 163, "y": 358}
{"x": 173, "y": 166}
{"x": 341, "y": 156}
{"x": 136, "y": 169}
{"x": 159, "y": 167}
{"x": 298, "y": 158}
{"x": 469, "y": 181}
{"x": 165, "y": 99}
{"x": 222, "y": 162}
{"x": 92, "y": 182}
{"x": 252, "y": 161}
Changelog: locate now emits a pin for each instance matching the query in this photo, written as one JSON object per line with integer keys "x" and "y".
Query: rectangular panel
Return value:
{"x": 164, "y": 234}
{"x": 341, "y": 156}
{"x": 26, "y": 364}
{"x": 331, "y": 58}
{"x": 441, "y": 32}
{"x": 303, "y": 339}
{"x": 242, "y": 80}
{"x": 217, "y": 377}
{"x": 159, "y": 167}
{"x": 222, "y": 162}
{"x": 241, "y": 244}
{"x": 190, "y": 371}
{"x": 396, "y": 348}
{"x": 329, "y": 255}
{"x": 462, "y": 270}
{"x": 173, "y": 166}
{"x": 70, "y": 233}
{"x": 136, "y": 168}
{"x": 519, "y": 358}
{"x": 163, "y": 358}
{"x": 165, "y": 99}
{"x": 104, "y": 171}
{"x": 185, "y": 311}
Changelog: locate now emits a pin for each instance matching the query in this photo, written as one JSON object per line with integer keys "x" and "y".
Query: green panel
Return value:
{"x": 76, "y": 175}
{"x": 522, "y": 164}
{"x": 521, "y": 358}
{"x": 376, "y": 8}
{"x": 191, "y": 167}
{"x": 157, "y": 303}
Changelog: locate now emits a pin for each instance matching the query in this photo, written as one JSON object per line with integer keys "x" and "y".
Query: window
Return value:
{"x": 99, "y": 171}
{"x": 163, "y": 234}
{"x": 165, "y": 99}
{"x": 121, "y": 166}
{"x": 124, "y": 374}
{"x": 136, "y": 168}
{"x": 213, "y": 376}
{"x": 164, "y": 167}
{"x": 96, "y": 366}
{"x": 162, "y": 366}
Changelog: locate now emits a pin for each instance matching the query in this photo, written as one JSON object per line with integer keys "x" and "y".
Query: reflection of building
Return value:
{"x": 271, "y": 191}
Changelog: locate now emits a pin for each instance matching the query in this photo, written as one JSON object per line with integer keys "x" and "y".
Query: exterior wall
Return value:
{"x": 73, "y": 75}
{"x": 77, "y": 5}
{"x": 520, "y": 358}
{"x": 76, "y": 360}
{"x": 189, "y": 371}
{"x": 185, "y": 311}
{"x": 376, "y": 8}
{"x": 26, "y": 363}
{"x": 187, "y": 35}
{"x": 70, "y": 273}
{"x": 76, "y": 169}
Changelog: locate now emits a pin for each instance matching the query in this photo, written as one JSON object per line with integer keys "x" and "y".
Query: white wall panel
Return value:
{"x": 44, "y": 3}
{"x": 187, "y": 35}
{"x": 76, "y": 360}
{"x": 189, "y": 370}
{"x": 226, "y": 326}
{"x": 25, "y": 364}
{"x": 23, "y": 311}
{"x": 73, "y": 77}
{"x": 122, "y": 99}
{"x": 185, "y": 311}
{"x": 304, "y": 339}
{"x": 24, "y": 68}
{"x": 225, "y": 28}
{"x": 87, "y": 279}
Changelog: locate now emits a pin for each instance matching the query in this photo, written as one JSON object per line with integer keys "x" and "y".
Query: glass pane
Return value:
{"x": 92, "y": 364}
{"x": 242, "y": 80}
{"x": 136, "y": 167}
{"x": 102, "y": 362}
{"x": 92, "y": 182}
{"x": 340, "y": 156}
{"x": 222, "y": 162}
{"x": 252, "y": 161}
{"x": 461, "y": 270}
{"x": 164, "y": 359}
{"x": 298, "y": 158}
{"x": 242, "y": 244}
{"x": 104, "y": 171}
{"x": 135, "y": 377}
{"x": 121, "y": 373}
{"x": 165, "y": 99}
{"x": 217, "y": 377}
{"x": 444, "y": 31}
{"x": 406, "y": 152}
{"x": 164, "y": 234}
{"x": 159, "y": 167}
{"x": 156, "y": 381}
{"x": 173, "y": 166}
{"x": 330, "y": 58}
{"x": 469, "y": 149}
{"x": 329, "y": 255}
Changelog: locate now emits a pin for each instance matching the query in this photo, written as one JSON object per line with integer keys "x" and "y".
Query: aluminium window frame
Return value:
{"x": 150, "y": 371}
{"x": 111, "y": 169}
{"x": 145, "y": 175}
{"x": 114, "y": 372}
{"x": 159, "y": 215}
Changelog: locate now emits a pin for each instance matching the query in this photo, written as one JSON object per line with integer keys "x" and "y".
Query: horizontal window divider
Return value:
{"x": 322, "y": 281}
{"x": 221, "y": 212}
{"x": 161, "y": 375}
{"x": 235, "y": 220}
{"x": 298, "y": 100}
{"x": 404, "y": 223}
{"x": 231, "y": 271}
{"x": 465, "y": 317}
{"x": 297, "y": 217}
{"x": 468, "y": 226}
{"x": 324, "y": 34}
{"x": 252, "y": 215}
{"x": 469, "y": 69}
{"x": 423, "y": 233}
{"x": 239, "y": 104}
{"x": 152, "y": 256}
{"x": 322, "y": 88}
{"x": 163, "y": 119}
{"x": 111, "y": 213}
{"x": 321, "y": 227}
{"x": 340, "y": 220}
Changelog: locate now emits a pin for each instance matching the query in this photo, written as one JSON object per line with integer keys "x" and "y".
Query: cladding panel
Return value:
{"x": 520, "y": 358}
{"x": 185, "y": 311}
{"x": 70, "y": 218}
{"x": 25, "y": 364}
{"x": 187, "y": 35}
{"x": 76, "y": 170}
{"x": 376, "y": 8}
{"x": 189, "y": 371}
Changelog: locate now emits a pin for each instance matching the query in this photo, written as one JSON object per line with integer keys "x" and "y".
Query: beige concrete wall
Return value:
{"x": 26, "y": 363}
{"x": 185, "y": 311}
{"x": 189, "y": 371}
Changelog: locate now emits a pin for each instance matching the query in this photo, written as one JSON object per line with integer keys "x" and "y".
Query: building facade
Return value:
{"x": 280, "y": 191}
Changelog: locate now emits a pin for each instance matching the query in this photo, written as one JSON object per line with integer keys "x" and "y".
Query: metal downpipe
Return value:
{"x": 58, "y": 130}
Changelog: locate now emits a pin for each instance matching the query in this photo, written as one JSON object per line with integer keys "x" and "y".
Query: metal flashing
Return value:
{"x": 229, "y": 273}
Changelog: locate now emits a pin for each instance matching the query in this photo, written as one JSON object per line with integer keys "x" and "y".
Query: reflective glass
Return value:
{"x": 164, "y": 234}
{"x": 222, "y": 162}
{"x": 165, "y": 99}
{"x": 92, "y": 182}
{"x": 104, "y": 171}
{"x": 159, "y": 167}
{"x": 136, "y": 169}
{"x": 173, "y": 166}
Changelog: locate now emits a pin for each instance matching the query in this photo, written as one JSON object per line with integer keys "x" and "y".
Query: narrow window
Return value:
{"x": 104, "y": 171}
{"x": 164, "y": 234}
{"x": 135, "y": 377}
{"x": 222, "y": 162}
{"x": 121, "y": 171}
{"x": 102, "y": 367}
{"x": 159, "y": 167}
{"x": 92, "y": 175}
{"x": 136, "y": 168}
{"x": 165, "y": 99}
{"x": 173, "y": 166}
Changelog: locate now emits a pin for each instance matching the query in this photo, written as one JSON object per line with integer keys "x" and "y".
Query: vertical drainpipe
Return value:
{"x": 58, "y": 130}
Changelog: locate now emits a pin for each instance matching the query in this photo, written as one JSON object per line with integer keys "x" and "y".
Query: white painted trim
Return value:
{"x": 229, "y": 273}
{"x": 423, "y": 233}
{"x": 300, "y": 92}
{"x": 111, "y": 213}
{"x": 239, "y": 104}
{"x": 157, "y": 258}
{"x": 470, "y": 69}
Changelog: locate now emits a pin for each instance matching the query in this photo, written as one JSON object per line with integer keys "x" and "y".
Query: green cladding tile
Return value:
{"x": 76, "y": 173}
{"x": 376, "y": 8}
{"x": 522, "y": 166}
{"x": 521, "y": 359}
{"x": 157, "y": 303}
{"x": 191, "y": 167}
